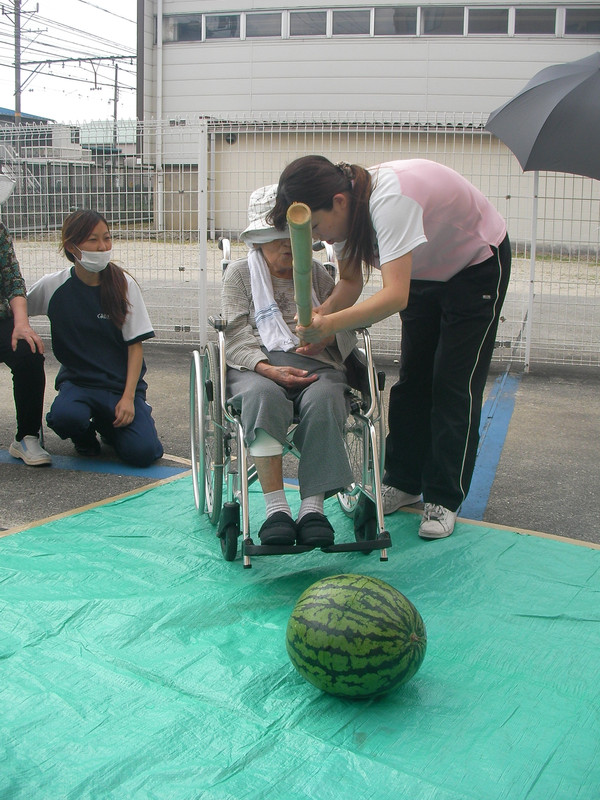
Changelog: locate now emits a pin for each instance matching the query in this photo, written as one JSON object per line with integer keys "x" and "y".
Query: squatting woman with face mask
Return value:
{"x": 98, "y": 322}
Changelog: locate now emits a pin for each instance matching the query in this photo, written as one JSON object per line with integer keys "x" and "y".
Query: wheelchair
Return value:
{"x": 222, "y": 470}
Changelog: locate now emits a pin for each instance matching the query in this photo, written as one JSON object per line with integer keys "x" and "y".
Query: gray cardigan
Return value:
{"x": 242, "y": 340}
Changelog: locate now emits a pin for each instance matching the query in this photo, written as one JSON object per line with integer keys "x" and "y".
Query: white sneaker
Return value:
{"x": 437, "y": 523}
{"x": 393, "y": 498}
{"x": 30, "y": 451}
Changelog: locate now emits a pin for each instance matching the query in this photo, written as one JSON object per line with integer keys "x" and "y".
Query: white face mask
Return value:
{"x": 94, "y": 260}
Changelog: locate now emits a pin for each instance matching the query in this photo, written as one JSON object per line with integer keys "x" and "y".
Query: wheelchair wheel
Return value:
{"x": 355, "y": 448}
{"x": 195, "y": 425}
{"x": 207, "y": 432}
{"x": 229, "y": 530}
{"x": 229, "y": 542}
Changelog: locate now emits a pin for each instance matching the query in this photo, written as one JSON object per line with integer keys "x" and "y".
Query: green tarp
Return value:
{"x": 136, "y": 663}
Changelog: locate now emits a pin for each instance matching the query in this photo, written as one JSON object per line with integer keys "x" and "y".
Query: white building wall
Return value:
{"x": 427, "y": 74}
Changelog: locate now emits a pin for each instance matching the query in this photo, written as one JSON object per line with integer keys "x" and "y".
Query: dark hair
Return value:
{"x": 314, "y": 180}
{"x": 113, "y": 284}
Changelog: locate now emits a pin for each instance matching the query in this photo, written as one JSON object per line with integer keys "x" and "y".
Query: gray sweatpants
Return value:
{"x": 321, "y": 407}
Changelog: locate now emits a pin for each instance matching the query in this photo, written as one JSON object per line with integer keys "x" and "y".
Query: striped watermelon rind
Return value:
{"x": 355, "y": 636}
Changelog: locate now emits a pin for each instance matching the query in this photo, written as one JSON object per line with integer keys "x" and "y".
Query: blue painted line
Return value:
{"x": 495, "y": 419}
{"x": 155, "y": 472}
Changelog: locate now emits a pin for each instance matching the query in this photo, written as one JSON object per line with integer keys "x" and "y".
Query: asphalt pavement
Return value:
{"x": 538, "y": 468}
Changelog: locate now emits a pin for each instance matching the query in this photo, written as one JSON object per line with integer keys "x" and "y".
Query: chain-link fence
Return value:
{"x": 172, "y": 189}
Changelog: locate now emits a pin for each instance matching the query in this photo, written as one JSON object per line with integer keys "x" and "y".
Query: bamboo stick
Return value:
{"x": 299, "y": 222}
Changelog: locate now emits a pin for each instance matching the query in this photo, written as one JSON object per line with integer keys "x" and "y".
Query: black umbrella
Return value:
{"x": 553, "y": 122}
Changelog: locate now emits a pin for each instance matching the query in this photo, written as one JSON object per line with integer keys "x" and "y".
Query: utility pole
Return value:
{"x": 115, "y": 104}
{"x": 17, "y": 62}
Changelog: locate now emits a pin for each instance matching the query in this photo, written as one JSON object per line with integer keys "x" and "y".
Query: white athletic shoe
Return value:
{"x": 30, "y": 451}
{"x": 437, "y": 523}
{"x": 393, "y": 498}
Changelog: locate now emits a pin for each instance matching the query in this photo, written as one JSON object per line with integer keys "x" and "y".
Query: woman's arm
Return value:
{"x": 390, "y": 299}
{"x": 22, "y": 328}
{"x": 346, "y": 291}
{"x": 125, "y": 409}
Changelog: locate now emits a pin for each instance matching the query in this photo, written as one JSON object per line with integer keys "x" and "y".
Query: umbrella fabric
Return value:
{"x": 553, "y": 122}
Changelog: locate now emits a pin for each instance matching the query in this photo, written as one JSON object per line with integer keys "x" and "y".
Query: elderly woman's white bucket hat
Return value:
{"x": 258, "y": 231}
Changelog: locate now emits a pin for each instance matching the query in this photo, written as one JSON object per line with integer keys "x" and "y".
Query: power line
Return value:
{"x": 112, "y": 13}
{"x": 57, "y": 37}
{"x": 96, "y": 39}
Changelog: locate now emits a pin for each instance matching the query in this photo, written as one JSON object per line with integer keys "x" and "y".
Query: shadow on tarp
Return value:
{"x": 137, "y": 663}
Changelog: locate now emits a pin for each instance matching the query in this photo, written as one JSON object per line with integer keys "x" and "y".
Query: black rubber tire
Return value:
{"x": 212, "y": 433}
{"x": 229, "y": 542}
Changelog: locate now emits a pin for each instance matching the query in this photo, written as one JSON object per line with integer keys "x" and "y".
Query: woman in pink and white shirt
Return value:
{"x": 444, "y": 256}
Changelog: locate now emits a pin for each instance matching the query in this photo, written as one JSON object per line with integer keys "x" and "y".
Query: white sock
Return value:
{"x": 311, "y": 505}
{"x": 277, "y": 501}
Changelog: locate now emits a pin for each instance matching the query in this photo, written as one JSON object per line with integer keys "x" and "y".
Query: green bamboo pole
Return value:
{"x": 299, "y": 223}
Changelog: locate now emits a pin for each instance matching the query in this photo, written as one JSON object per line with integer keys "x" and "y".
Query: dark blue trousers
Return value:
{"x": 79, "y": 410}
{"x": 448, "y": 335}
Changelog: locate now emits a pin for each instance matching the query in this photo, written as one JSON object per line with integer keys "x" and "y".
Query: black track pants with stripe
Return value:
{"x": 448, "y": 335}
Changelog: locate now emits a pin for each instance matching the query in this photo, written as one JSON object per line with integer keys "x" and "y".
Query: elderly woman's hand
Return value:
{"x": 319, "y": 330}
{"x": 288, "y": 377}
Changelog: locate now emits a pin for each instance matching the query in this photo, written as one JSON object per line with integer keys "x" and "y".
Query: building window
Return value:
{"x": 222, "y": 26}
{"x": 488, "y": 20}
{"x": 582, "y": 21}
{"x": 182, "y": 28}
{"x": 426, "y": 20}
{"x": 531, "y": 21}
{"x": 263, "y": 25}
{"x": 443, "y": 21}
{"x": 308, "y": 23}
{"x": 396, "y": 21}
{"x": 349, "y": 23}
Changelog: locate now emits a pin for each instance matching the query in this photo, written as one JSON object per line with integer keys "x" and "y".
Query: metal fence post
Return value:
{"x": 531, "y": 294}
{"x": 202, "y": 230}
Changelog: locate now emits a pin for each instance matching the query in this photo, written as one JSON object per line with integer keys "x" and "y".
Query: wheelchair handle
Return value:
{"x": 218, "y": 323}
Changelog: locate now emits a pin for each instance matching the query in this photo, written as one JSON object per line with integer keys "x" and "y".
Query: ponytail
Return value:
{"x": 314, "y": 180}
{"x": 113, "y": 294}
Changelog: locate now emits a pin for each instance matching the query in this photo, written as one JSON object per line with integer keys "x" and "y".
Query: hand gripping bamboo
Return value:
{"x": 299, "y": 223}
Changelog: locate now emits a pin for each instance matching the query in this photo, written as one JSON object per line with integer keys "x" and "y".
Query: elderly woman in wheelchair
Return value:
{"x": 271, "y": 384}
{"x": 256, "y": 395}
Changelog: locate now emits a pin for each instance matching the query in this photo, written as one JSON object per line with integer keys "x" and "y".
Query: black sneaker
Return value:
{"x": 87, "y": 445}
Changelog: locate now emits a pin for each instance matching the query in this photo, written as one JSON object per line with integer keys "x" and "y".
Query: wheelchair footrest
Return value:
{"x": 382, "y": 542}
{"x": 251, "y": 549}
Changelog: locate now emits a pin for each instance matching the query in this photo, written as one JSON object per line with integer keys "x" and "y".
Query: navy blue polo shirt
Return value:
{"x": 91, "y": 349}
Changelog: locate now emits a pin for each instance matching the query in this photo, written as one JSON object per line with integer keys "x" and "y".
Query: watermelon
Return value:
{"x": 355, "y": 636}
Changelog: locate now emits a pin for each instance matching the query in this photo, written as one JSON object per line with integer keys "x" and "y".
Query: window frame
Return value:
{"x": 433, "y": 8}
{"x": 325, "y": 11}
{"x": 207, "y": 38}
{"x": 417, "y": 28}
{"x": 358, "y": 10}
{"x": 470, "y": 9}
{"x": 554, "y": 9}
{"x": 247, "y": 14}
